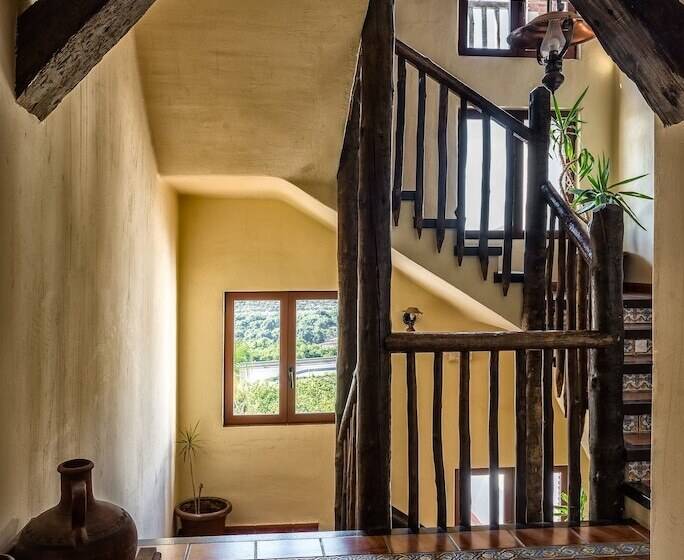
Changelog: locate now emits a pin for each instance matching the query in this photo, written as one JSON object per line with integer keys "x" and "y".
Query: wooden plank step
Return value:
{"x": 637, "y": 402}
{"x": 474, "y": 251}
{"x": 636, "y": 300}
{"x": 638, "y": 363}
{"x": 640, "y": 492}
{"x": 516, "y": 277}
{"x": 638, "y": 447}
{"x": 637, "y": 331}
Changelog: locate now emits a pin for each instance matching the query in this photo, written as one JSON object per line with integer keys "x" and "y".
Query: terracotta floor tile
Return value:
{"x": 481, "y": 540}
{"x": 402, "y": 544}
{"x": 171, "y": 551}
{"x": 547, "y": 537}
{"x": 289, "y": 548}
{"x": 354, "y": 545}
{"x": 609, "y": 534}
{"x": 222, "y": 551}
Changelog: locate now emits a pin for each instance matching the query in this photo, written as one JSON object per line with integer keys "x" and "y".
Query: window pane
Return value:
{"x": 489, "y": 23}
{"x": 479, "y": 490}
{"x": 538, "y": 7}
{"x": 316, "y": 369}
{"x": 256, "y": 357}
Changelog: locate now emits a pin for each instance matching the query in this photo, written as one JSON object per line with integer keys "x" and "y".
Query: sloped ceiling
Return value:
{"x": 249, "y": 88}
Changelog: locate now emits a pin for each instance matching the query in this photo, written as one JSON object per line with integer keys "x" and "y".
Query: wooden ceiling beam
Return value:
{"x": 59, "y": 42}
{"x": 644, "y": 38}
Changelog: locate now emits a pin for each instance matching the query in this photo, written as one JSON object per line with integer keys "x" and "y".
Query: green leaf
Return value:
{"x": 636, "y": 195}
{"x": 630, "y": 180}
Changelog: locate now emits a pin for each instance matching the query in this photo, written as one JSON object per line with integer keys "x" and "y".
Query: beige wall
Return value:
{"x": 635, "y": 136}
{"x": 87, "y": 292}
{"x": 668, "y": 414}
{"x": 285, "y": 473}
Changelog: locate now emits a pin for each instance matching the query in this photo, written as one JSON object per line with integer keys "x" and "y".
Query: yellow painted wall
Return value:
{"x": 635, "y": 129}
{"x": 668, "y": 390}
{"x": 285, "y": 473}
{"x": 87, "y": 293}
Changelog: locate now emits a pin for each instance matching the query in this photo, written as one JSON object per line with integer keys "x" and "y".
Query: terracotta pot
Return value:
{"x": 79, "y": 527}
{"x": 211, "y": 520}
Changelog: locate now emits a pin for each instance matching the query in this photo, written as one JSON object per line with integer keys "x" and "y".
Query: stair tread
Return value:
{"x": 639, "y": 359}
{"x": 638, "y": 331}
{"x": 640, "y": 492}
{"x": 636, "y": 300}
{"x": 638, "y": 440}
{"x": 637, "y": 396}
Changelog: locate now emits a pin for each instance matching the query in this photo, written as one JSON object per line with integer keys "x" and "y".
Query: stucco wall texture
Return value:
{"x": 87, "y": 296}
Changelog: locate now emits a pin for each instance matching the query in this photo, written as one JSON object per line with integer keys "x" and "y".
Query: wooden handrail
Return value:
{"x": 439, "y": 74}
{"x": 496, "y": 341}
{"x": 575, "y": 227}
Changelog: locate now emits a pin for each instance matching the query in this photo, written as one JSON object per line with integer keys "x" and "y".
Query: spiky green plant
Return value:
{"x": 563, "y": 510}
{"x": 565, "y": 131}
{"x": 189, "y": 447}
{"x": 581, "y": 165}
{"x": 601, "y": 192}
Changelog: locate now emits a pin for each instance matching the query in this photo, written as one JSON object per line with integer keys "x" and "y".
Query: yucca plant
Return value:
{"x": 563, "y": 510}
{"x": 581, "y": 165}
{"x": 565, "y": 131}
{"x": 602, "y": 192}
{"x": 189, "y": 447}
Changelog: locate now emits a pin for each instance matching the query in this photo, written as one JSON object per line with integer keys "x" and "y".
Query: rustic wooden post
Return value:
{"x": 606, "y": 441}
{"x": 347, "y": 263}
{"x": 534, "y": 309}
{"x": 375, "y": 270}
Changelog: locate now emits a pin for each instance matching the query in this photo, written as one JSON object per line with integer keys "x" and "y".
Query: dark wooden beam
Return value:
{"x": 375, "y": 269}
{"x": 645, "y": 40}
{"x": 59, "y": 43}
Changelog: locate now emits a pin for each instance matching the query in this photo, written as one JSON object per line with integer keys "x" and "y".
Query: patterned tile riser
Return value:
{"x": 638, "y": 316}
{"x": 638, "y": 346}
{"x": 637, "y": 382}
{"x": 638, "y": 471}
{"x": 637, "y": 424}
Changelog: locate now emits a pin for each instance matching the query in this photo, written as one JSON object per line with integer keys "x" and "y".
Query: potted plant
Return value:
{"x": 199, "y": 515}
{"x": 579, "y": 165}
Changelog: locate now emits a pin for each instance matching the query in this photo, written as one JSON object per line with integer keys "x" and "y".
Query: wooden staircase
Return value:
{"x": 637, "y": 394}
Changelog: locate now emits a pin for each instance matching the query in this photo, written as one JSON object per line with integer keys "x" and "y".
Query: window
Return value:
{"x": 280, "y": 363}
{"x": 484, "y": 25}
{"x": 479, "y": 491}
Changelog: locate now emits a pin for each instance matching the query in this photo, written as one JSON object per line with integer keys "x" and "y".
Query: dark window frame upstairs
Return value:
{"x": 518, "y": 18}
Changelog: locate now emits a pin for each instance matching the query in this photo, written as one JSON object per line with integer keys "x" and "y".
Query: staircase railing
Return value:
{"x": 562, "y": 279}
{"x": 472, "y": 105}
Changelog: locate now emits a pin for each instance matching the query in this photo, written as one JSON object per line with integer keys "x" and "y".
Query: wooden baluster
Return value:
{"x": 560, "y": 306}
{"x": 412, "y": 416}
{"x": 352, "y": 483}
{"x": 483, "y": 250}
{"x": 497, "y": 19}
{"x": 485, "y": 28}
{"x": 534, "y": 308}
{"x": 373, "y": 444}
{"x": 347, "y": 265}
{"x": 437, "y": 445}
{"x": 606, "y": 438}
{"x": 510, "y": 203}
{"x": 443, "y": 164}
{"x": 583, "y": 323}
{"x": 574, "y": 397}
{"x": 420, "y": 154}
{"x": 547, "y": 381}
{"x": 494, "y": 440}
{"x": 399, "y": 140}
{"x": 464, "y": 442}
{"x": 520, "y": 437}
{"x": 462, "y": 186}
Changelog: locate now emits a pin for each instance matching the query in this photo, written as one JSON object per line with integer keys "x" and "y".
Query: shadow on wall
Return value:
{"x": 638, "y": 269}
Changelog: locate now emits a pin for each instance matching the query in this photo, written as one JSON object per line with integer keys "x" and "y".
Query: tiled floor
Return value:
{"x": 306, "y": 545}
